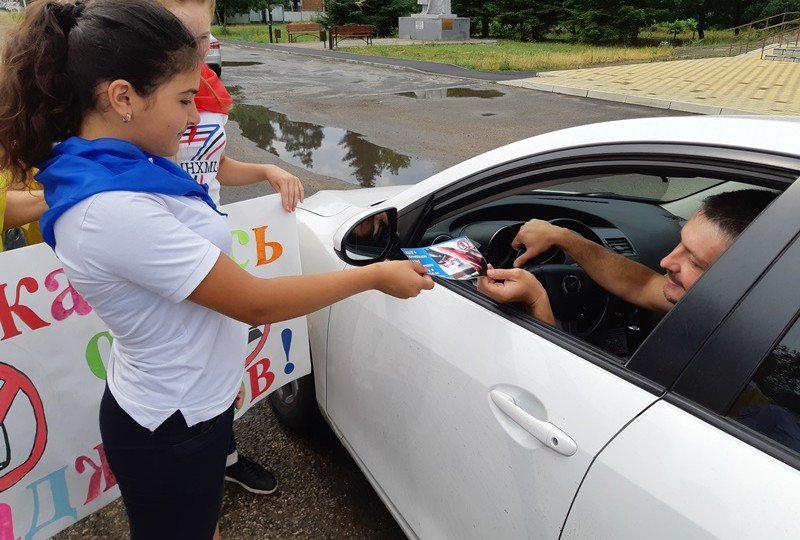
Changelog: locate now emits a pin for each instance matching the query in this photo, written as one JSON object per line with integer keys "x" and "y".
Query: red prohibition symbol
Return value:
{"x": 16, "y": 383}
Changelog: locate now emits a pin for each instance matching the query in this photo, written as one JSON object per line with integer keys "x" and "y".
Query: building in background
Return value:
{"x": 298, "y": 10}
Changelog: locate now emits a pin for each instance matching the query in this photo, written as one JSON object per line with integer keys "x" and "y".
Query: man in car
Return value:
{"x": 704, "y": 238}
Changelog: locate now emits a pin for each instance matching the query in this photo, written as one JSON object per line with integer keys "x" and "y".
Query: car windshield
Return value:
{"x": 636, "y": 186}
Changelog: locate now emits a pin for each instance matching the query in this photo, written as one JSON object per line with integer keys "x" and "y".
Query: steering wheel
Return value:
{"x": 578, "y": 303}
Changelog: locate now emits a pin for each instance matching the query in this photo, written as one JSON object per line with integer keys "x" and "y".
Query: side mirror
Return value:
{"x": 367, "y": 238}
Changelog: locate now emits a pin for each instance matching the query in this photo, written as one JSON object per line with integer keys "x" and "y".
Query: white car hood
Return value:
{"x": 331, "y": 203}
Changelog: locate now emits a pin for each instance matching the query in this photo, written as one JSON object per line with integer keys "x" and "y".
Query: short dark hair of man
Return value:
{"x": 733, "y": 211}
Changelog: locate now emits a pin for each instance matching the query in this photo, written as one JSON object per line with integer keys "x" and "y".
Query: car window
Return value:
{"x": 640, "y": 186}
{"x": 770, "y": 404}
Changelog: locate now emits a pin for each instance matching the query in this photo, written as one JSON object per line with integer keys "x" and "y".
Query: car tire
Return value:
{"x": 295, "y": 405}
{"x": 217, "y": 69}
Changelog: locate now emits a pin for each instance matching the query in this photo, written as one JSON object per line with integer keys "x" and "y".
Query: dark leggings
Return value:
{"x": 171, "y": 479}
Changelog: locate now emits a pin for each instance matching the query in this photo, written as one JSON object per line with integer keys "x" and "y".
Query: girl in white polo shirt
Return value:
{"x": 201, "y": 153}
{"x": 114, "y": 80}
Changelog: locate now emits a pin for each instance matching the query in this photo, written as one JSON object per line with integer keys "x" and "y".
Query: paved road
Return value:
{"x": 300, "y": 99}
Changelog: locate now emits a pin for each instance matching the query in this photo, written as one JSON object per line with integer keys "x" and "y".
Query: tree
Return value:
{"x": 532, "y": 19}
{"x": 480, "y": 10}
{"x": 228, "y": 8}
{"x": 776, "y": 7}
{"x": 382, "y": 14}
{"x": 610, "y": 21}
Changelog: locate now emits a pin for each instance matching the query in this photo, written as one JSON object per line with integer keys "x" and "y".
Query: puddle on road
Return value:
{"x": 328, "y": 151}
{"x": 225, "y": 63}
{"x": 441, "y": 93}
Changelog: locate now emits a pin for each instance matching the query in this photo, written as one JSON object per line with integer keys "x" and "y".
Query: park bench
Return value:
{"x": 362, "y": 31}
{"x": 293, "y": 30}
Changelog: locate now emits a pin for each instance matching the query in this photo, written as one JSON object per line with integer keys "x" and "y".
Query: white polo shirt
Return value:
{"x": 136, "y": 257}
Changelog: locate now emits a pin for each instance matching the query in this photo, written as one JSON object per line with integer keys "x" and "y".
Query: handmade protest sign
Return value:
{"x": 53, "y": 356}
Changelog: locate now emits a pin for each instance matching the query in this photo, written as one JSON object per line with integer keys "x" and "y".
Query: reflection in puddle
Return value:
{"x": 327, "y": 150}
{"x": 225, "y": 63}
{"x": 441, "y": 93}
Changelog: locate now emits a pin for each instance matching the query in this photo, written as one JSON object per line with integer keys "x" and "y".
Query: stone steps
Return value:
{"x": 784, "y": 54}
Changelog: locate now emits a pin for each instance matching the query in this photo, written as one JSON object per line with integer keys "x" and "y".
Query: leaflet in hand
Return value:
{"x": 453, "y": 259}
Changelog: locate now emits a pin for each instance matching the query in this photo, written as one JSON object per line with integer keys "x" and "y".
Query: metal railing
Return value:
{"x": 775, "y": 30}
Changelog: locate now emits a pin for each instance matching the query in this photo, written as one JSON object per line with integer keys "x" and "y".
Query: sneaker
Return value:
{"x": 251, "y": 476}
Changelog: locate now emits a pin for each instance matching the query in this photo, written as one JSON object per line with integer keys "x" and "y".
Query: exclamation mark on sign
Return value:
{"x": 286, "y": 337}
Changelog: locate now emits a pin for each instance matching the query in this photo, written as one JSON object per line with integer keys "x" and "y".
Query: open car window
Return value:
{"x": 624, "y": 213}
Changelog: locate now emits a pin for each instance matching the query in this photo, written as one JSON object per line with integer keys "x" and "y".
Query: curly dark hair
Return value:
{"x": 55, "y": 59}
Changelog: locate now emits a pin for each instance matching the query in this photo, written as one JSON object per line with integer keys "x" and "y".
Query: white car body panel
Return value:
{"x": 775, "y": 135}
{"x": 405, "y": 397}
{"x": 671, "y": 475}
{"x": 331, "y": 203}
{"x": 406, "y": 386}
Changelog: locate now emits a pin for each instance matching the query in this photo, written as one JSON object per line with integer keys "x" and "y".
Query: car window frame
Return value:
{"x": 706, "y": 390}
{"x": 769, "y": 170}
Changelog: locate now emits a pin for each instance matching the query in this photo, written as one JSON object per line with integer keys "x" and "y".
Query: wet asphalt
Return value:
{"x": 316, "y": 105}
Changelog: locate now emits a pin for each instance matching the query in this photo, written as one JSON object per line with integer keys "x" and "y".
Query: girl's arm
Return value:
{"x": 231, "y": 291}
{"x": 23, "y": 207}
{"x": 238, "y": 173}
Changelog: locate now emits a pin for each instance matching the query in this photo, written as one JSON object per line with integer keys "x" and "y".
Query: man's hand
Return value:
{"x": 517, "y": 285}
{"x": 536, "y": 236}
{"x": 287, "y": 184}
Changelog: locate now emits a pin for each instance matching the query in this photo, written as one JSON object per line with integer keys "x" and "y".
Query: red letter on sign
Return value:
{"x": 261, "y": 378}
{"x": 58, "y": 310}
{"x": 101, "y": 472}
{"x": 25, "y": 313}
{"x": 262, "y": 245}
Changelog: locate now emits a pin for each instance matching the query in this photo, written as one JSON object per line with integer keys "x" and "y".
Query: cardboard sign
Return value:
{"x": 53, "y": 353}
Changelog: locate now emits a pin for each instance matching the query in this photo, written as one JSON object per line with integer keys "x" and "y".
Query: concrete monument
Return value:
{"x": 435, "y": 23}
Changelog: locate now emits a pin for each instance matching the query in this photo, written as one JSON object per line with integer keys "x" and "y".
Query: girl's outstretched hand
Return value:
{"x": 401, "y": 279}
{"x": 288, "y": 185}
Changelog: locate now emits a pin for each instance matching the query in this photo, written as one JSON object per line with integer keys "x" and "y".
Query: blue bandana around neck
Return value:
{"x": 79, "y": 168}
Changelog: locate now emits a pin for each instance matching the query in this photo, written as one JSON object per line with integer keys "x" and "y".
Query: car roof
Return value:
{"x": 769, "y": 134}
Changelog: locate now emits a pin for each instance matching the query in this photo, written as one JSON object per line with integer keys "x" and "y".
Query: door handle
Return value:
{"x": 545, "y": 432}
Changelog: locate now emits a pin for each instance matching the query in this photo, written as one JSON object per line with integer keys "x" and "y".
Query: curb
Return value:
{"x": 644, "y": 101}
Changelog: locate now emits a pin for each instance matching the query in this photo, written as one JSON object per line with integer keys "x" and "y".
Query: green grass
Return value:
{"x": 9, "y": 18}
{"x": 515, "y": 56}
{"x": 658, "y": 34}
{"x": 255, "y": 33}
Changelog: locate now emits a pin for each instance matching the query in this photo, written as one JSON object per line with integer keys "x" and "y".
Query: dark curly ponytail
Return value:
{"x": 53, "y": 62}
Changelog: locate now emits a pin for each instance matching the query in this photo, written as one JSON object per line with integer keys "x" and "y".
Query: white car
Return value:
{"x": 214, "y": 56}
{"x": 474, "y": 420}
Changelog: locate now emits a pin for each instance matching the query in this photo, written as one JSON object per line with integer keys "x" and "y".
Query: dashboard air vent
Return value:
{"x": 620, "y": 245}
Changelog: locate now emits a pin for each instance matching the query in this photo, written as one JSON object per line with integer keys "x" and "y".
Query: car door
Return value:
{"x": 718, "y": 457}
{"x": 446, "y": 401}
{"x": 471, "y": 421}
{"x": 438, "y": 398}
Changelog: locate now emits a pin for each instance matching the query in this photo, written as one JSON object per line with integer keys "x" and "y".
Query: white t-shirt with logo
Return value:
{"x": 201, "y": 149}
{"x": 136, "y": 257}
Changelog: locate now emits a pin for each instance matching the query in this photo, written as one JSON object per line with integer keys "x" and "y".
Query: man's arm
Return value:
{"x": 626, "y": 279}
{"x": 517, "y": 285}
